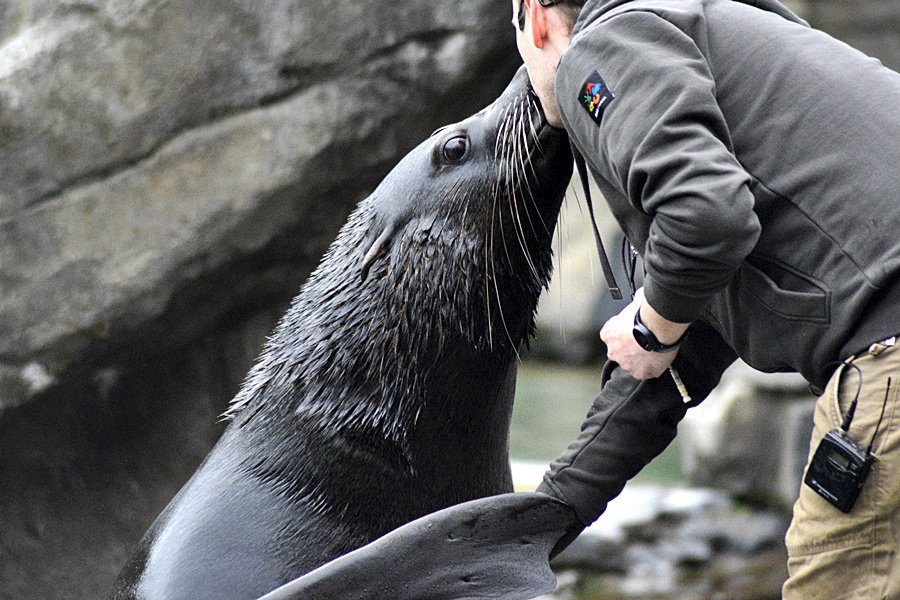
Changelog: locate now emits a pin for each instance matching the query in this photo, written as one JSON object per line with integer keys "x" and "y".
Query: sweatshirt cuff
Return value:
{"x": 671, "y": 305}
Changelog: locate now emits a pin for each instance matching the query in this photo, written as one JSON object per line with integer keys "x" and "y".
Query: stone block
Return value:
{"x": 751, "y": 436}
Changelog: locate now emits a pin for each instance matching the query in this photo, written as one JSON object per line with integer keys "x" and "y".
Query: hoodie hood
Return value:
{"x": 594, "y": 9}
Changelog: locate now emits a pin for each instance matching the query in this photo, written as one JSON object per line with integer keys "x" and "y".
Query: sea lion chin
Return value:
{"x": 386, "y": 390}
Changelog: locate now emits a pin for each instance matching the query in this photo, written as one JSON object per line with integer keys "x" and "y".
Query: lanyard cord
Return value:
{"x": 604, "y": 261}
{"x": 614, "y": 289}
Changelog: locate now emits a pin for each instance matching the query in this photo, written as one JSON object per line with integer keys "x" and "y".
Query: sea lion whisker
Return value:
{"x": 559, "y": 266}
{"x": 527, "y": 197}
{"x": 512, "y": 343}
{"x": 525, "y": 120}
{"x": 534, "y": 112}
{"x": 520, "y": 232}
{"x": 502, "y": 152}
{"x": 505, "y": 249}
{"x": 488, "y": 253}
{"x": 534, "y": 207}
{"x": 525, "y": 159}
{"x": 540, "y": 150}
{"x": 520, "y": 145}
{"x": 495, "y": 277}
{"x": 512, "y": 202}
{"x": 520, "y": 228}
{"x": 498, "y": 143}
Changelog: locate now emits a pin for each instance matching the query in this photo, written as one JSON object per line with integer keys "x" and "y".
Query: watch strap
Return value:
{"x": 647, "y": 340}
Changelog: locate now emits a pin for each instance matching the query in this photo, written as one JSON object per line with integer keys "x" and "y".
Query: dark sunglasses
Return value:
{"x": 521, "y": 15}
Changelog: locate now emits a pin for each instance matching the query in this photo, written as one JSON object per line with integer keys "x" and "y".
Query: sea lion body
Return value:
{"x": 385, "y": 392}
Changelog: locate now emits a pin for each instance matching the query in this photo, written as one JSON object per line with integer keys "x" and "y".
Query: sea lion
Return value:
{"x": 386, "y": 390}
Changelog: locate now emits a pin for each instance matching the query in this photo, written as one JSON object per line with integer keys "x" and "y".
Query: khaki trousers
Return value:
{"x": 857, "y": 555}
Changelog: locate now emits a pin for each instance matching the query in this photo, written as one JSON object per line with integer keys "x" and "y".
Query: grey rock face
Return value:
{"x": 170, "y": 172}
{"x": 751, "y": 436}
{"x": 147, "y": 147}
{"x": 92, "y": 86}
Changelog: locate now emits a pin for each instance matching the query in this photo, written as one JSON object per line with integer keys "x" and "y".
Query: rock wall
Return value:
{"x": 169, "y": 175}
{"x": 751, "y": 436}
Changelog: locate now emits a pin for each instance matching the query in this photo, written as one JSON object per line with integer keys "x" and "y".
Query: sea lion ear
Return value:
{"x": 376, "y": 250}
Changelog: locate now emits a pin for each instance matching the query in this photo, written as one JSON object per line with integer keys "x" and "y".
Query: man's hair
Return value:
{"x": 570, "y": 9}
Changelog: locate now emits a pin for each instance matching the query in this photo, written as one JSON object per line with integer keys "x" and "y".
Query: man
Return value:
{"x": 754, "y": 163}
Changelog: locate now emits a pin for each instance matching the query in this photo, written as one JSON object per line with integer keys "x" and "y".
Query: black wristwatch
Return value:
{"x": 647, "y": 340}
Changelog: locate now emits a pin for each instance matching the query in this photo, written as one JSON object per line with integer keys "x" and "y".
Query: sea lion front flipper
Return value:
{"x": 495, "y": 547}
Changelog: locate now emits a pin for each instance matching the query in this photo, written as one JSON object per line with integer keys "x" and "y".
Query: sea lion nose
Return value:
{"x": 518, "y": 85}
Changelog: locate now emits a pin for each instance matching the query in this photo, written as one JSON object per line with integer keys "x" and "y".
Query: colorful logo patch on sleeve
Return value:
{"x": 595, "y": 96}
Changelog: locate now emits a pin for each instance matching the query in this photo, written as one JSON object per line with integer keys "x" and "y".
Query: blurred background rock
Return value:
{"x": 169, "y": 175}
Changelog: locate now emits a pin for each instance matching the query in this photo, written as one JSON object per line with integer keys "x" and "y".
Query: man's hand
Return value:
{"x": 622, "y": 348}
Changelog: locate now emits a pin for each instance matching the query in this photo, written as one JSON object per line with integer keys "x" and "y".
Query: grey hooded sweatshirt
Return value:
{"x": 754, "y": 162}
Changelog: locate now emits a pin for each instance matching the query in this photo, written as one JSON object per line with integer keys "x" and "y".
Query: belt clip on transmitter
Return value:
{"x": 840, "y": 465}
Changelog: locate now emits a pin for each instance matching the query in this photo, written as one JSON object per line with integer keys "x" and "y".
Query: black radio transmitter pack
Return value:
{"x": 838, "y": 469}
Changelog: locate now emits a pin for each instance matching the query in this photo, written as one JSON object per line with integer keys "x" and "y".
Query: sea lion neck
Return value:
{"x": 377, "y": 340}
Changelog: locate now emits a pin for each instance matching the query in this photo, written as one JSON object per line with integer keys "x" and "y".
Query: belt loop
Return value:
{"x": 879, "y": 347}
{"x": 835, "y": 400}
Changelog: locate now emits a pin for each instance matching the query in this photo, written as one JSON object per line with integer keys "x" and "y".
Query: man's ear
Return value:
{"x": 538, "y": 22}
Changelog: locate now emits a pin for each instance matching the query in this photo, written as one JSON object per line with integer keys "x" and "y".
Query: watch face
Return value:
{"x": 641, "y": 338}
{"x": 646, "y": 340}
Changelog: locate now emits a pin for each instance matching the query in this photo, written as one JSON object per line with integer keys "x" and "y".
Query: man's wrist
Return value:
{"x": 668, "y": 333}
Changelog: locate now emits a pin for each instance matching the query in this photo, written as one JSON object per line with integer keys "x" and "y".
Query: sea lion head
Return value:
{"x": 487, "y": 198}
{"x": 429, "y": 288}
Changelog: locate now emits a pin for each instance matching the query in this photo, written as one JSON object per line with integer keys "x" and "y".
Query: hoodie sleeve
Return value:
{"x": 663, "y": 142}
{"x": 629, "y": 424}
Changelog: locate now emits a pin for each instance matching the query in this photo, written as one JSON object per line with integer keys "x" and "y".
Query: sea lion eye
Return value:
{"x": 455, "y": 148}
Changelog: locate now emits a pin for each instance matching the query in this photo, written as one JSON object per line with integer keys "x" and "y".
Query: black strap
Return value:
{"x": 604, "y": 261}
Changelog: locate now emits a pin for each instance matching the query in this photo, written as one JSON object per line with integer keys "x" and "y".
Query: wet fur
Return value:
{"x": 386, "y": 390}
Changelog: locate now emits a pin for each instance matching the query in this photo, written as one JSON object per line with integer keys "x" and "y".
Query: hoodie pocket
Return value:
{"x": 786, "y": 291}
